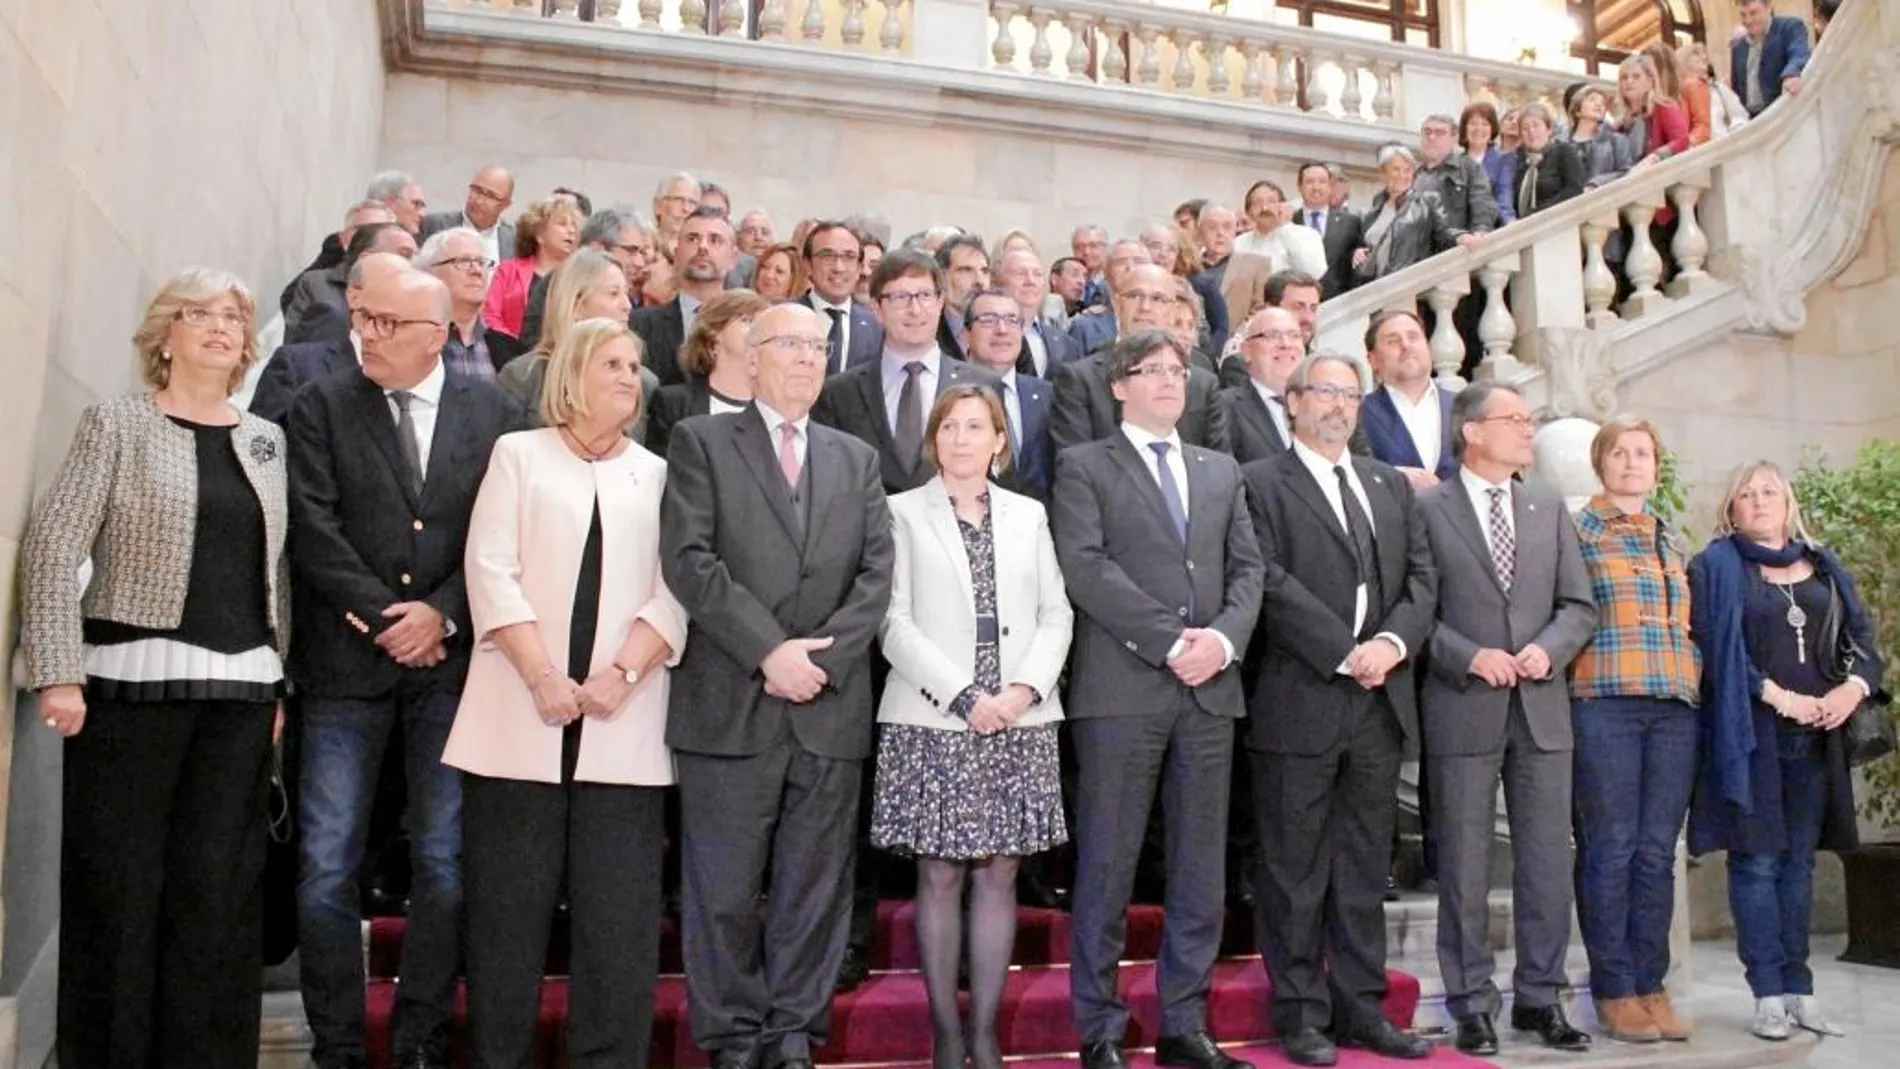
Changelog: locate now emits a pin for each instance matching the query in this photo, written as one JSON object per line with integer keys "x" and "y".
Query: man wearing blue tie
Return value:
{"x": 993, "y": 328}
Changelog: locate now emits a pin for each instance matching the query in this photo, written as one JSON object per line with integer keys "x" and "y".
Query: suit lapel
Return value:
{"x": 1254, "y": 408}
{"x": 870, "y": 387}
{"x": 1201, "y": 495}
{"x": 1306, "y": 487}
{"x": 1388, "y": 522}
{"x": 943, "y": 521}
{"x": 1524, "y": 516}
{"x": 1464, "y": 516}
{"x": 373, "y": 414}
{"x": 825, "y": 461}
{"x": 761, "y": 460}
{"x": 1398, "y": 437}
{"x": 446, "y": 447}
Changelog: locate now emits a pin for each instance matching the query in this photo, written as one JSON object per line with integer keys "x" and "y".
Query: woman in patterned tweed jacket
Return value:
{"x": 163, "y": 677}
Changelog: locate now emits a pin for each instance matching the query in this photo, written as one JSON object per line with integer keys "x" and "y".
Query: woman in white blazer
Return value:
{"x": 967, "y": 781}
{"x": 562, "y": 727}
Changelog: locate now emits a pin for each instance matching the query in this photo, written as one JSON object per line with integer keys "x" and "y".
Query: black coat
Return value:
{"x": 1559, "y": 177}
{"x": 1421, "y": 231}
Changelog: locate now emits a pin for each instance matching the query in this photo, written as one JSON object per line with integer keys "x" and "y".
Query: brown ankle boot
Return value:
{"x": 1669, "y": 1025}
{"x": 1627, "y": 1020}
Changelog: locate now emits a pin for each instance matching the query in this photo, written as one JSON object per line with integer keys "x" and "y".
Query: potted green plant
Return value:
{"x": 1855, "y": 510}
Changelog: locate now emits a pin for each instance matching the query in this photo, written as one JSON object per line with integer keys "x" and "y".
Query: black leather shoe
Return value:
{"x": 1102, "y": 1054}
{"x": 1477, "y": 1035}
{"x": 853, "y": 971}
{"x": 1035, "y": 891}
{"x": 1551, "y": 1026}
{"x": 729, "y": 1058}
{"x": 795, "y": 1063}
{"x": 1309, "y": 1046}
{"x": 1240, "y": 889}
{"x": 1196, "y": 1050}
{"x": 421, "y": 1059}
{"x": 1386, "y": 1041}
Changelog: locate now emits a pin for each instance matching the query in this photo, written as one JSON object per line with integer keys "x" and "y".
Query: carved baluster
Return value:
{"x": 1215, "y": 50}
{"x": 607, "y": 11}
{"x": 1182, "y": 78}
{"x": 772, "y": 21}
{"x": 1114, "y": 61}
{"x": 851, "y": 30}
{"x": 567, "y": 9}
{"x": 692, "y": 16}
{"x": 1148, "y": 70}
{"x": 1040, "y": 52}
{"x": 1448, "y": 349}
{"x": 1384, "y": 100}
{"x": 731, "y": 17}
{"x": 1077, "y": 61}
{"x": 1003, "y": 49}
{"x": 1599, "y": 282}
{"x": 1497, "y": 327}
{"x": 649, "y": 14}
{"x": 812, "y": 28}
{"x": 1250, "y": 81}
{"x": 1690, "y": 246}
{"x": 1316, "y": 96}
{"x": 1286, "y": 70}
{"x": 890, "y": 36}
{"x": 1644, "y": 264}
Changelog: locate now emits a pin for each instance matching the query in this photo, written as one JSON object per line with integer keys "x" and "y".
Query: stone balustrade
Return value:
{"x": 850, "y": 25}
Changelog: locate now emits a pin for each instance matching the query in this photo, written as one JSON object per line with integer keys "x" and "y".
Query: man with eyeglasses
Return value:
{"x": 1086, "y": 409}
{"x": 1163, "y": 242}
{"x": 993, "y": 329}
{"x": 380, "y": 644}
{"x": 1098, "y": 325}
{"x": 1157, "y": 548}
{"x": 1089, "y": 246}
{"x": 833, "y": 254}
{"x": 1514, "y": 608}
{"x": 458, "y": 257}
{"x": 676, "y": 197}
{"x": 1349, "y": 599}
{"x": 1471, "y": 206}
{"x": 490, "y": 193}
{"x": 702, "y": 256}
{"x": 1255, "y": 412}
{"x": 1408, "y": 418}
{"x": 1045, "y": 347}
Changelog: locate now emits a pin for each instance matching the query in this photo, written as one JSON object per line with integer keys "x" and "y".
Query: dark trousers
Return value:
{"x": 1537, "y": 795}
{"x": 761, "y": 984}
{"x": 343, "y": 746}
{"x": 1771, "y": 895}
{"x": 160, "y": 892}
{"x": 1243, "y": 839}
{"x": 522, "y": 843}
{"x": 1187, "y": 751}
{"x": 1326, "y": 825}
{"x": 1635, "y": 769}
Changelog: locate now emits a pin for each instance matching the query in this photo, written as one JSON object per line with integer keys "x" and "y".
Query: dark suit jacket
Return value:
{"x": 289, "y": 368}
{"x": 1344, "y": 233}
{"x": 1784, "y": 54}
{"x": 1300, "y": 702}
{"x": 662, "y": 331}
{"x": 1094, "y": 329}
{"x": 1550, "y": 604}
{"x": 1215, "y": 307}
{"x": 1251, "y": 430}
{"x": 329, "y": 254}
{"x": 1136, "y": 588}
{"x": 439, "y": 221}
{"x": 1061, "y": 347}
{"x": 1033, "y": 463}
{"x": 669, "y": 405}
{"x": 751, "y": 576}
{"x": 1393, "y": 444}
{"x": 537, "y": 310}
{"x": 1086, "y": 409}
{"x": 950, "y": 336}
{"x": 314, "y": 293}
{"x": 361, "y": 539}
{"x": 853, "y": 402}
{"x": 867, "y": 335}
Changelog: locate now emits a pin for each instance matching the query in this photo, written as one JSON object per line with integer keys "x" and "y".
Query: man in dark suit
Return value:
{"x": 1298, "y": 293}
{"x": 1351, "y": 602}
{"x": 1045, "y": 347}
{"x": 834, "y": 257}
{"x": 777, "y": 541}
{"x": 1154, "y": 538}
{"x": 1255, "y": 411}
{"x": 993, "y": 329}
{"x": 701, "y": 259}
{"x": 321, "y": 292}
{"x": 1086, "y": 405}
{"x": 1769, "y": 57}
{"x": 384, "y": 465}
{"x": 1514, "y": 607}
{"x": 490, "y": 193}
{"x": 885, "y": 403}
{"x": 293, "y": 365}
{"x": 1341, "y": 230}
{"x": 966, "y": 269}
{"x": 1408, "y": 418}
{"x": 1098, "y": 325}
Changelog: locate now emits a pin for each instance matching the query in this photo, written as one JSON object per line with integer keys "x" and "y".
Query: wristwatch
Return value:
{"x": 632, "y": 675}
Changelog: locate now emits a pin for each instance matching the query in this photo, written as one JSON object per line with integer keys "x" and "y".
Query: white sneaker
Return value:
{"x": 1806, "y": 1011}
{"x": 1771, "y": 1019}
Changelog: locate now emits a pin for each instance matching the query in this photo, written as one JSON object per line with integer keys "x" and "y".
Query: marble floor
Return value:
{"x": 1864, "y": 1001}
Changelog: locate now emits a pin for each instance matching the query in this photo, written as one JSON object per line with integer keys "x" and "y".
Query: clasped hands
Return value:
{"x": 418, "y": 638}
{"x": 560, "y": 701}
{"x": 1200, "y": 658}
{"x": 1372, "y": 661}
{"x": 1503, "y": 670}
{"x": 997, "y": 712}
{"x": 1826, "y": 712}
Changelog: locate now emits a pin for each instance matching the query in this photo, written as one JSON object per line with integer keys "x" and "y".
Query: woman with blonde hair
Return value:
{"x": 1788, "y": 655}
{"x": 589, "y": 285}
{"x": 561, "y": 732}
{"x": 1652, "y": 119}
{"x": 718, "y": 378}
{"x": 162, "y": 673}
{"x": 1691, "y": 93}
{"x": 1727, "y": 113}
{"x": 545, "y": 236}
{"x": 780, "y": 275}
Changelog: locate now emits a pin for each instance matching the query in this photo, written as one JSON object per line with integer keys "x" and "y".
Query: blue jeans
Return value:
{"x": 1635, "y": 771}
{"x": 1771, "y": 895}
{"x": 343, "y": 745}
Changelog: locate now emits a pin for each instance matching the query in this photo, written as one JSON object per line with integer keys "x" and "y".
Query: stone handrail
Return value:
{"x": 1765, "y": 214}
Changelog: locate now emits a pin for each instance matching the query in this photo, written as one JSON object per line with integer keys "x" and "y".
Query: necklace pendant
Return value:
{"x": 1797, "y": 619}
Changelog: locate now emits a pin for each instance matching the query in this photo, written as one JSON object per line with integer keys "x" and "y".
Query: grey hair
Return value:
{"x": 1334, "y": 170}
{"x": 1156, "y": 226}
{"x": 432, "y": 252}
{"x": 678, "y": 176}
{"x": 604, "y": 226}
{"x": 1439, "y": 117}
{"x": 1468, "y": 407}
{"x": 1388, "y": 153}
{"x": 388, "y": 185}
{"x": 874, "y": 226}
{"x": 1088, "y": 228}
{"x": 364, "y": 206}
{"x": 1303, "y": 373}
{"x": 1211, "y": 206}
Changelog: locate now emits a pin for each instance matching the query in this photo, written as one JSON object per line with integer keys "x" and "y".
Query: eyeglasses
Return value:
{"x": 378, "y": 325}
{"x": 993, "y": 320}
{"x": 1276, "y": 335}
{"x": 679, "y": 198}
{"x": 418, "y": 204}
{"x": 1161, "y": 372}
{"x": 910, "y": 299}
{"x": 1517, "y": 421}
{"x": 1149, "y": 297}
{"x": 1329, "y": 393}
{"x": 205, "y": 317}
{"x": 796, "y": 344}
{"x": 464, "y": 263}
{"x": 486, "y": 194}
{"x": 837, "y": 256}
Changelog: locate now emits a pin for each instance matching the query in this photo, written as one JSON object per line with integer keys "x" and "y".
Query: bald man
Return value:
{"x": 296, "y": 363}
{"x": 490, "y": 193}
{"x": 384, "y": 461}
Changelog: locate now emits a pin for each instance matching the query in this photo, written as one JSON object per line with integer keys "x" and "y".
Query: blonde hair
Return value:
{"x": 1668, "y": 69}
{"x": 1018, "y": 234}
{"x": 191, "y": 288}
{"x": 1795, "y": 530}
{"x": 568, "y": 285}
{"x": 1643, "y": 63}
{"x": 699, "y": 354}
{"x": 562, "y": 398}
{"x": 539, "y": 214}
{"x": 1695, "y": 49}
{"x": 948, "y": 400}
{"x": 1610, "y": 432}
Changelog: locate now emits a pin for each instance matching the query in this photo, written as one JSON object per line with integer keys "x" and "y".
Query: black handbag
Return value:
{"x": 1869, "y": 733}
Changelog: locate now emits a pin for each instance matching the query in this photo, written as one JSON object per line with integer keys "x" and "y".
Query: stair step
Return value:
{"x": 1262, "y": 1055}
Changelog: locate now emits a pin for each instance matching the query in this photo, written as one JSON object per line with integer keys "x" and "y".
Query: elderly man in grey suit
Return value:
{"x": 1157, "y": 544}
{"x": 777, "y": 541}
{"x": 1514, "y": 607}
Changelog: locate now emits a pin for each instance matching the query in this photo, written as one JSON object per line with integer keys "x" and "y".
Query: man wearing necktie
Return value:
{"x": 1349, "y": 600}
{"x": 1514, "y": 607}
{"x": 1339, "y": 228}
{"x": 384, "y": 465}
{"x": 993, "y": 329}
{"x": 834, "y": 255}
{"x": 1157, "y": 546}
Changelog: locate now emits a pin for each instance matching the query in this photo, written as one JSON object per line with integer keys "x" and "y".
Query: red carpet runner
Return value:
{"x": 885, "y": 1022}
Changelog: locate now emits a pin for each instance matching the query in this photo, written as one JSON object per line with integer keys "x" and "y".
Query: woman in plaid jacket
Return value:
{"x": 1634, "y": 691}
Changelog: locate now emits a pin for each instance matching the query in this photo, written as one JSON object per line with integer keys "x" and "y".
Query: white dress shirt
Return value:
{"x": 689, "y": 314}
{"x": 1314, "y": 219}
{"x": 356, "y": 346}
{"x": 425, "y": 400}
{"x": 1290, "y": 246}
{"x": 719, "y": 406}
{"x": 844, "y": 328}
{"x": 773, "y": 420}
{"x": 1013, "y": 408}
{"x": 1424, "y": 421}
{"x": 491, "y": 241}
{"x": 1480, "y": 493}
{"x": 1177, "y": 465}
{"x": 1276, "y": 408}
{"x": 1322, "y": 470}
{"x": 1038, "y": 348}
{"x": 892, "y": 370}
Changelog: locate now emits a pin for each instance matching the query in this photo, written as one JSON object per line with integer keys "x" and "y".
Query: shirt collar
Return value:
{"x": 1426, "y": 400}
{"x": 476, "y": 331}
{"x": 429, "y": 390}
{"x": 1477, "y": 487}
{"x": 773, "y": 419}
{"x": 689, "y": 305}
{"x": 356, "y": 347}
{"x": 932, "y": 361}
{"x": 1142, "y": 439}
{"x": 1322, "y": 468}
{"x": 818, "y": 301}
{"x": 1009, "y": 379}
{"x": 1268, "y": 393}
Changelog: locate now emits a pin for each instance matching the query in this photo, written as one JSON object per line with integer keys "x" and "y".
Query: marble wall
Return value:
{"x": 138, "y": 137}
